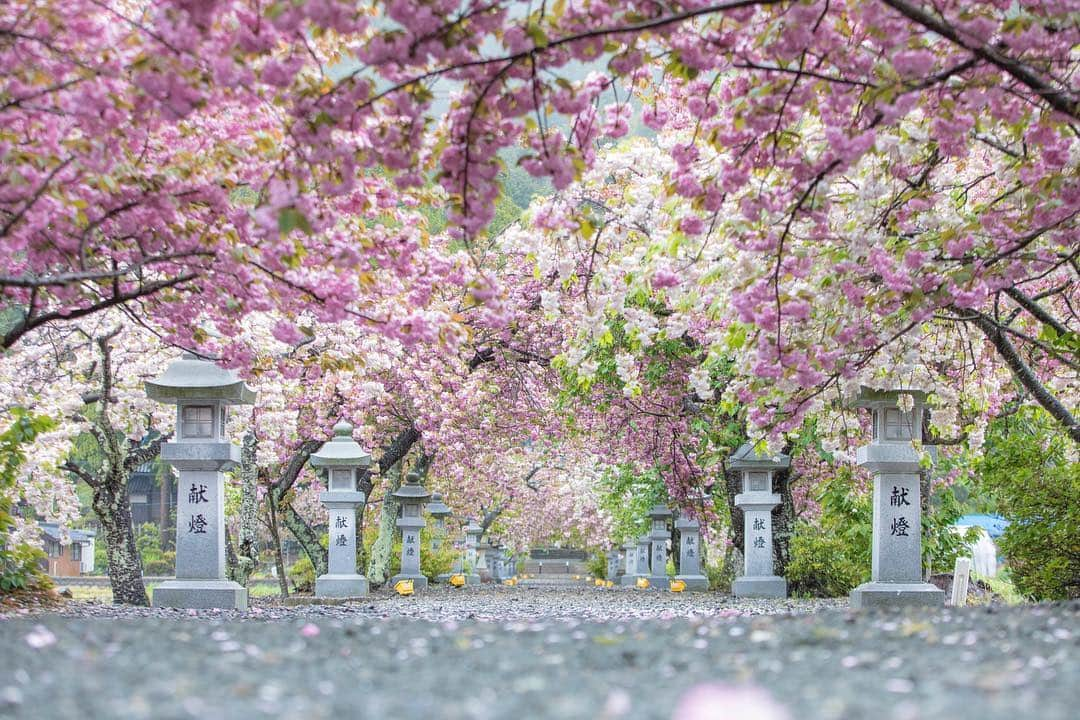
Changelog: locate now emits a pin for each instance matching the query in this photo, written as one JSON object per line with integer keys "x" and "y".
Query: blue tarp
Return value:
{"x": 993, "y": 524}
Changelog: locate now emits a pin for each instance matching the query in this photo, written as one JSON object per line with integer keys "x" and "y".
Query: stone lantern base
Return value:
{"x": 201, "y": 595}
{"x": 420, "y": 582}
{"x": 694, "y": 583}
{"x": 763, "y": 586}
{"x": 341, "y": 586}
{"x": 892, "y": 594}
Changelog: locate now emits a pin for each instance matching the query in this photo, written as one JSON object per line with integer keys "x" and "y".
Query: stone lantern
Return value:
{"x": 411, "y": 496}
{"x": 644, "y": 544}
{"x": 439, "y": 511}
{"x": 472, "y": 542}
{"x": 630, "y": 564}
{"x": 341, "y": 460}
{"x": 659, "y": 516}
{"x": 612, "y": 564}
{"x": 757, "y": 501}
{"x": 494, "y": 560}
{"x": 200, "y": 452}
{"x": 896, "y": 560}
{"x": 690, "y": 553}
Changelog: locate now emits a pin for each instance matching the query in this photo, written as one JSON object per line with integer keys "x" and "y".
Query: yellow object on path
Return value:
{"x": 511, "y": 582}
{"x": 643, "y": 583}
{"x": 599, "y": 582}
{"x": 457, "y": 580}
{"x": 404, "y": 587}
{"x": 609, "y": 583}
{"x": 678, "y": 585}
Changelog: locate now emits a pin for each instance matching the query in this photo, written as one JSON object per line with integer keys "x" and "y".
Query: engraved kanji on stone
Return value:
{"x": 899, "y": 497}
{"x": 197, "y": 525}
{"x": 759, "y": 542}
{"x": 197, "y": 494}
{"x": 341, "y": 522}
{"x": 899, "y": 527}
{"x": 759, "y": 523}
{"x": 342, "y": 540}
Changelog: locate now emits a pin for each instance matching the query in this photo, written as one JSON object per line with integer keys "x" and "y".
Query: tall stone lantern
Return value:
{"x": 757, "y": 501}
{"x": 439, "y": 511}
{"x": 472, "y": 542}
{"x": 411, "y": 496}
{"x": 341, "y": 460}
{"x": 659, "y": 516}
{"x": 630, "y": 564}
{"x": 200, "y": 452}
{"x": 690, "y": 553}
{"x": 896, "y": 559}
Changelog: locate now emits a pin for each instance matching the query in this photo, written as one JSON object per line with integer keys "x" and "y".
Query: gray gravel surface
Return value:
{"x": 529, "y": 653}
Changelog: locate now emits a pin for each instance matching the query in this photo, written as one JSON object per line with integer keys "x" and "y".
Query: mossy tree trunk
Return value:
{"x": 109, "y": 484}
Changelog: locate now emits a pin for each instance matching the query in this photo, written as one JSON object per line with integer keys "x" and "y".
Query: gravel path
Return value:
{"x": 534, "y": 653}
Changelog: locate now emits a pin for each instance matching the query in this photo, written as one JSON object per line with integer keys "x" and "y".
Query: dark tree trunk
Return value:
{"x": 783, "y": 521}
{"x": 275, "y": 538}
{"x": 113, "y": 509}
{"x": 308, "y": 538}
{"x": 247, "y": 552}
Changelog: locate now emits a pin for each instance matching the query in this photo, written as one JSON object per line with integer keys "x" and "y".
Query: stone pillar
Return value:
{"x": 495, "y": 562}
{"x": 200, "y": 454}
{"x": 411, "y": 496}
{"x": 690, "y": 553}
{"x": 757, "y": 501}
{"x": 659, "y": 535}
{"x": 613, "y": 564}
{"x": 644, "y": 546}
{"x": 630, "y": 564}
{"x": 341, "y": 460}
{"x": 896, "y": 559}
{"x": 472, "y": 542}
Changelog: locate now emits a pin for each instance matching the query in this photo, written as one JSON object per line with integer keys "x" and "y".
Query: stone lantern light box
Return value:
{"x": 200, "y": 453}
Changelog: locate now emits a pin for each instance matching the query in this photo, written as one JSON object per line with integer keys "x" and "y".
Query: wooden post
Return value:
{"x": 961, "y": 573}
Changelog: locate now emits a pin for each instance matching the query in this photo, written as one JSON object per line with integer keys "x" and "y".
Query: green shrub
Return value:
{"x": 302, "y": 574}
{"x": 1029, "y": 469}
{"x": 720, "y": 576}
{"x": 155, "y": 560}
{"x": 831, "y": 555}
{"x": 596, "y": 566}
{"x": 165, "y": 564}
{"x": 435, "y": 562}
{"x": 825, "y": 564}
{"x": 19, "y": 564}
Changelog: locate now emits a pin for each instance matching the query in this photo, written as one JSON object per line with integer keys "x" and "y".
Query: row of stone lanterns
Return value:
{"x": 200, "y": 453}
{"x": 646, "y": 558}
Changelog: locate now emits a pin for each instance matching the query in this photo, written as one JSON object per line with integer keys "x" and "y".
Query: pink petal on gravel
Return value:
{"x": 310, "y": 630}
{"x": 718, "y": 701}
{"x": 40, "y": 637}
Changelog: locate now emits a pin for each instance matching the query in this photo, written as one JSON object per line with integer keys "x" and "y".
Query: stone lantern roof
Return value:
{"x": 189, "y": 378}
{"x": 869, "y": 397}
{"x": 341, "y": 450}
{"x": 436, "y": 508}
{"x": 746, "y": 459}
{"x": 472, "y": 528}
{"x": 411, "y": 490}
{"x": 660, "y": 512}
